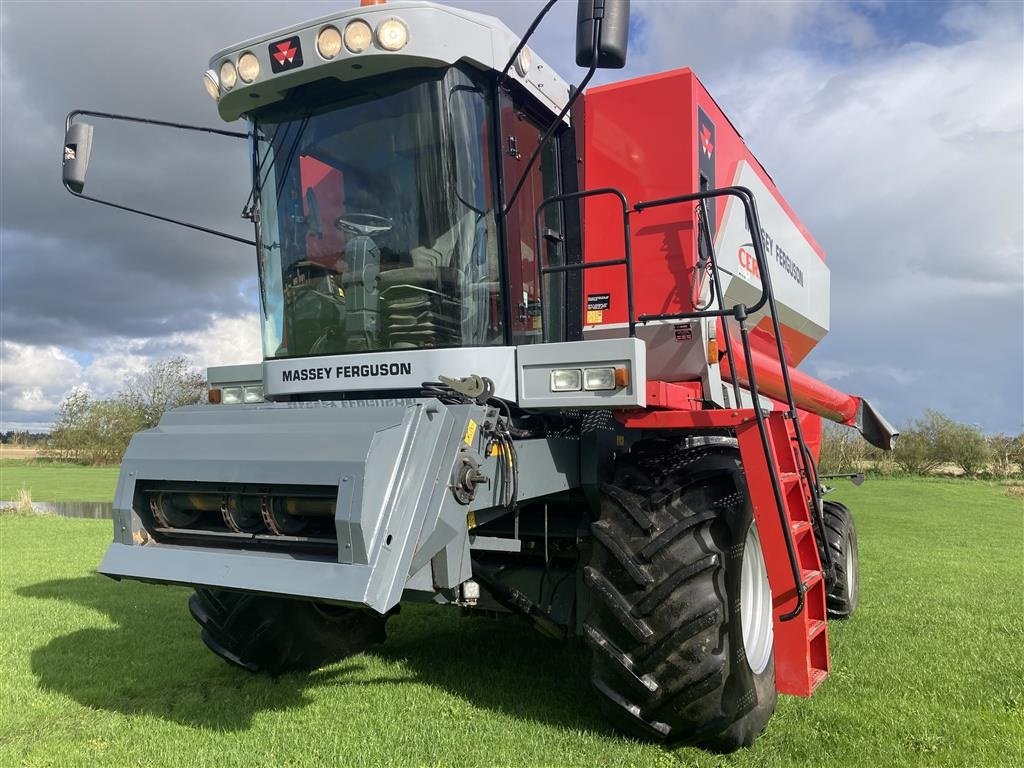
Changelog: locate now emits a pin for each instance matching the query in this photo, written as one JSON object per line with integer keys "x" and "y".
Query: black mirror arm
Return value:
{"x": 555, "y": 123}
{"x": 157, "y": 216}
{"x": 149, "y": 121}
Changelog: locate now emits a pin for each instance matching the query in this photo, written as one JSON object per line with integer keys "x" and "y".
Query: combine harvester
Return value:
{"x": 525, "y": 349}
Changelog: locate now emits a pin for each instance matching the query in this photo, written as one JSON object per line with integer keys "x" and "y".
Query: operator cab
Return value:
{"x": 380, "y": 177}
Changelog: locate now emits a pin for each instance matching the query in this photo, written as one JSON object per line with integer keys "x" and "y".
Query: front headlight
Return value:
{"x": 566, "y": 380}
{"x": 231, "y": 395}
{"x": 392, "y": 34}
{"x": 248, "y": 67}
{"x": 328, "y": 42}
{"x": 228, "y": 75}
{"x": 211, "y": 84}
{"x": 358, "y": 36}
{"x": 253, "y": 394}
{"x": 598, "y": 378}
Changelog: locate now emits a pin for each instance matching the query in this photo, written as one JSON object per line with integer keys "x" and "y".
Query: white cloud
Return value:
{"x": 226, "y": 341}
{"x": 34, "y": 379}
{"x": 906, "y": 165}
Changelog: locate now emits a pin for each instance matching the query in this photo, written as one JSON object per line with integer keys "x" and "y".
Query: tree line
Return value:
{"x": 90, "y": 430}
{"x": 932, "y": 444}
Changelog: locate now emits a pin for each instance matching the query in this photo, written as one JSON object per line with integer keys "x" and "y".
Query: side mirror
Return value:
{"x": 77, "y": 147}
{"x": 611, "y": 17}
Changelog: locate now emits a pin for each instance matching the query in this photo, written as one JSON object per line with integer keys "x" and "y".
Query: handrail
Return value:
{"x": 626, "y": 260}
{"x": 740, "y": 313}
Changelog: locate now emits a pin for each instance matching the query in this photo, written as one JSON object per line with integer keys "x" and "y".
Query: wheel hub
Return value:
{"x": 755, "y": 604}
{"x": 851, "y": 571}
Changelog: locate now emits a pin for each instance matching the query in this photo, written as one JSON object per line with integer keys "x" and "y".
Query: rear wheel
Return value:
{"x": 276, "y": 634}
{"x": 843, "y": 583}
{"x": 680, "y": 621}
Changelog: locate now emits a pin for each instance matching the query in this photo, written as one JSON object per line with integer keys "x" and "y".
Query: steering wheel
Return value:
{"x": 363, "y": 223}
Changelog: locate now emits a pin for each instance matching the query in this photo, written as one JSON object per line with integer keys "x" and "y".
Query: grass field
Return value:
{"x": 48, "y": 481}
{"x": 930, "y": 672}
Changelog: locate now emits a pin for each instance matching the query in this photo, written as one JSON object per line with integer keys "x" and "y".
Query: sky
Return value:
{"x": 894, "y": 129}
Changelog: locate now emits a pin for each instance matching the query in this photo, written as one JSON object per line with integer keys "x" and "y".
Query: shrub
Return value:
{"x": 1006, "y": 454}
{"x": 98, "y": 431}
{"x": 918, "y": 446}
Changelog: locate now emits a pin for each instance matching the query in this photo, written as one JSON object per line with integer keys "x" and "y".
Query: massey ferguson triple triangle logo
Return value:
{"x": 285, "y": 55}
{"x": 706, "y": 143}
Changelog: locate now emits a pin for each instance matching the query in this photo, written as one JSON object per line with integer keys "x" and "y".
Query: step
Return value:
{"x": 799, "y": 528}
{"x": 817, "y": 677}
{"x": 789, "y": 478}
{"x": 816, "y": 627}
{"x": 810, "y": 578}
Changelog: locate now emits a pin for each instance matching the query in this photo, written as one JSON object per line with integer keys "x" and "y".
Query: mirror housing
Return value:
{"x": 77, "y": 148}
{"x": 612, "y": 20}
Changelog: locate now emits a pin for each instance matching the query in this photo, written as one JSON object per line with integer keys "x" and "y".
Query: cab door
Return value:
{"x": 534, "y": 315}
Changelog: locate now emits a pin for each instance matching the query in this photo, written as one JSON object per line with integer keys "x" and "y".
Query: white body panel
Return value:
{"x": 800, "y": 278}
{"x": 438, "y": 36}
{"x": 406, "y": 369}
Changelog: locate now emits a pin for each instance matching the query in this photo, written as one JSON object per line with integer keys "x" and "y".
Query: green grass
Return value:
{"x": 930, "y": 672}
{"x": 50, "y": 481}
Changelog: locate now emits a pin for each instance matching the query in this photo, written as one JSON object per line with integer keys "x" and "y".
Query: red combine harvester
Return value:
{"x": 525, "y": 350}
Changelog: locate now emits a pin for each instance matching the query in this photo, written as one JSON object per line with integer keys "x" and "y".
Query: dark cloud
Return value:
{"x": 75, "y": 272}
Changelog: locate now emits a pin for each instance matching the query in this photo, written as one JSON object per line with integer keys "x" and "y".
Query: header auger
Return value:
{"x": 526, "y": 349}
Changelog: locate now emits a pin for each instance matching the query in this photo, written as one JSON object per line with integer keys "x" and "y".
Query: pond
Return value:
{"x": 95, "y": 510}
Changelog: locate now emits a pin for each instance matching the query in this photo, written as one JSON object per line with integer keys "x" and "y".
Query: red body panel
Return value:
{"x": 655, "y": 137}
{"x": 645, "y": 137}
{"x": 639, "y": 138}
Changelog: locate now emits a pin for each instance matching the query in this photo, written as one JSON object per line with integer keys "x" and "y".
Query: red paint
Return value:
{"x": 809, "y": 393}
{"x": 683, "y": 396}
{"x": 328, "y": 186}
{"x": 801, "y": 644}
{"x": 641, "y": 136}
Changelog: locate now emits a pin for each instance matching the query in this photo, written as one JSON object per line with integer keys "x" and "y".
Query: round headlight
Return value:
{"x": 228, "y": 76}
{"x": 523, "y": 62}
{"x": 328, "y": 42}
{"x": 392, "y": 34}
{"x": 248, "y": 67}
{"x": 358, "y": 36}
{"x": 211, "y": 84}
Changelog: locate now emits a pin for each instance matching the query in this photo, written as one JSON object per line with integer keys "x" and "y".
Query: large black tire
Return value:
{"x": 842, "y": 583}
{"x": 669, "y": 661}
{"x": 277, "y": 635}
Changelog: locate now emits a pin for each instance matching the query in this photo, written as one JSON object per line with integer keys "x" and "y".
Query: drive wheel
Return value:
{"x": 680, "y": 618}
{"x": 276, "y": 635}
{"x": 842, "y": 585}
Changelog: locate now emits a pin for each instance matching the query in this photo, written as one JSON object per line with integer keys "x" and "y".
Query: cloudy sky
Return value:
{"x": 894, "y": 129}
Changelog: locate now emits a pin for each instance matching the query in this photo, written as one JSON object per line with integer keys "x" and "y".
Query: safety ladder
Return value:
{"x": 801, "y": 644}
{"x": 781, "y": 477}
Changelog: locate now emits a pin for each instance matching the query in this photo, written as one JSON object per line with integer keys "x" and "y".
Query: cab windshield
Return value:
{"x": 376, "y": 222}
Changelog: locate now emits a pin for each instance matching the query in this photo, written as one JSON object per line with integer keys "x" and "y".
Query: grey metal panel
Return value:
{"x": 394, "y": 370}
{"x": 438, "y": 36}
{"x": 537, "y": 360}
{"x": 392, "y": 468}
{"x": 495, "y": 544}
{"x": 676, "y": 351}
{"x": 263, "y": 572}
{"x": 546, "y": 466}
{"x": 219, "y": 375}
{"x": 267, "y": 443}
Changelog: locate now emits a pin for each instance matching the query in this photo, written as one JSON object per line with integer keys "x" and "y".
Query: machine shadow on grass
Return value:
{"x": 153, "y": 662}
